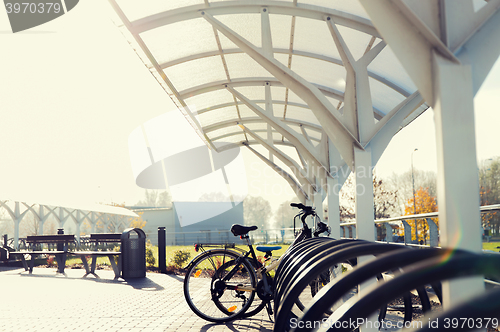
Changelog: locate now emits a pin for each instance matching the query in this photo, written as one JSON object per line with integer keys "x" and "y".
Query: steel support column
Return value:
{"x": 17, "y": 220}
{"x": 333, "y": 206}
{"x": 363, "y": 188}
{"x": 318, "y": 199}
{"x": 458, "y": 181}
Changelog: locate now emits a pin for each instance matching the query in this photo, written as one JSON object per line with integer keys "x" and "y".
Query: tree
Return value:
{"x": 384, "y": 200}
{"x": 29, "y": 225}
{"x": 137, "y": 222}
{"x": 256, "y": 210}
{"x": 489, "y": 191}
{"x": 403, "y": 185}
{"x": 214, "y": 197}
{"x": 284, "y": 215}
{"x": 156, "y": 198}
{"x": 424, "y": 203}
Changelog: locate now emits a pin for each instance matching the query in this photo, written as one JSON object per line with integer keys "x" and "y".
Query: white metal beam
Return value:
{"x": 16, "y": 216}
{"x": 357, "y": 99}
{"x": 235, "y": 122}
{"x": 306, "y": 54}
{"x": 301, "y": 194}
{"x": 257, "y": 101}
{"x": 262, "y": 81}
{"x": 162, "y": 77}
{"x": 255, "y": 6}
{"x": 333, "y": 185}
{"x": 482, "y": 48}
{"x": 391, "y": 124}
{"x": 397, "y": 31}
{"x": 305, "y": 134}
{"x": 269, "y": 105}
{"x": 252, "y": 81}
{"x": 275, "y": 141}
{"x": 461, "y": 22}
{"x": 298, "y": 171}
{"x": 300, "y": 142}
{"x": 326, "y": 113}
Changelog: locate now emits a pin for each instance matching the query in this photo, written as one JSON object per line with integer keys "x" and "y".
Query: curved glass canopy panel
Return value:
{"x": 289, "y": 72}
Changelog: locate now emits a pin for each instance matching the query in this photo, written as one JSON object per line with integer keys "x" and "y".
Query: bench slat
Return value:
{"x": 106, "y": 237}
{"x": 60, "y": 238}
{"x": 95, "y": 253}
{"x": 38, "y": 252}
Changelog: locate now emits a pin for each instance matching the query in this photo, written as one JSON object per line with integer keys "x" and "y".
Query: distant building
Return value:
{"x": 212, "y": 230}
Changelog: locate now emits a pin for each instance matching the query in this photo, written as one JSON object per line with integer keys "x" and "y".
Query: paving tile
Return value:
{"x": 46, "y": 302}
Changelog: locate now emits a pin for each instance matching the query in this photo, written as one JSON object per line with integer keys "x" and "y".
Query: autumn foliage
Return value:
{"x": 424, "y": 203}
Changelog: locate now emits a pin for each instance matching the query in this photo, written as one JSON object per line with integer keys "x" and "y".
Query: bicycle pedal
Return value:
{"x": 269, "y": 309}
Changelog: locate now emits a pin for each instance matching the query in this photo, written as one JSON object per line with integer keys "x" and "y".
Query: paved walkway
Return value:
{"x": 44, "y": 301}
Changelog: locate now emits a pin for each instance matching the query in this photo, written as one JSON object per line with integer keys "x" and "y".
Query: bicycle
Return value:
{"x": 221, "y": 283}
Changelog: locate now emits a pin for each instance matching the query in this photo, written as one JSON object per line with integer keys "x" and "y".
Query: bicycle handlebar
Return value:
{"x": 301, "y": 206}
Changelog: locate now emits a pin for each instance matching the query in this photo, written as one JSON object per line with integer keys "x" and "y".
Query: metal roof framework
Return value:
{"x": 110, "y": 216}
{"x": 240, "y": 71}
{"x": 316, "y": 85}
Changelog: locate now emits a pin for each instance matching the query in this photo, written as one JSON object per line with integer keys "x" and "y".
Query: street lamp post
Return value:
{"x": 413, "y": 185}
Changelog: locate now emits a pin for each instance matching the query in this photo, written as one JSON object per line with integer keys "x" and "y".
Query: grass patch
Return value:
{"x": 72, "y": 260}
{"x": 172, "y": 249}
{"x": 491, "y": 246}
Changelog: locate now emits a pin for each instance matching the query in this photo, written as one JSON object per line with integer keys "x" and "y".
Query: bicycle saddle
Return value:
{"x": 242, "y": 230}
{"x": 267, "y": 249}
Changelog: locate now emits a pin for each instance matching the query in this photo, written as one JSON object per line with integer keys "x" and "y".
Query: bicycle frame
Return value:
{"x": 250, "y": 255}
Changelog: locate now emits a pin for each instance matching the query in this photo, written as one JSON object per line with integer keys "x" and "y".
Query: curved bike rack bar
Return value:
{"x": 475, "y": 311}
{"x": 293, "y": 267}
{"x": 290, "y": 268}
{"x": 307, "y": 271}
{"x": 301, "y": 247}
{"x": 417, "y": 268}
{"x": 458, "y": 264}
{"x": 385, "y": 262}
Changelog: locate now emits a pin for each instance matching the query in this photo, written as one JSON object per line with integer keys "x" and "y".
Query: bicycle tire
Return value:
{"x": 206, "y": 292}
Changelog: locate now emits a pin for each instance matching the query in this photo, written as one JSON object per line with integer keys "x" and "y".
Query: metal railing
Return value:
{"x": 349, "y": 228}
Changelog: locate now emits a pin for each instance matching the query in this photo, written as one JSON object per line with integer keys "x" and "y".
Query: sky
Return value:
{"x": 72, "y": 91}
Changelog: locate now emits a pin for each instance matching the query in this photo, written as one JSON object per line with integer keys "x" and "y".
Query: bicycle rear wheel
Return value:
{"x": 210, "y": 295}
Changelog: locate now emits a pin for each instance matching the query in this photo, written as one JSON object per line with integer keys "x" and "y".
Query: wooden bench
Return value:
{"x": 100, "y": 239}
{"x": 35, "y": 247}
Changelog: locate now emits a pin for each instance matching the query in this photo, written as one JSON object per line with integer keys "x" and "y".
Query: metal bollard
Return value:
{"x": 162, "y": 250}
{"x": 60, "y": 246}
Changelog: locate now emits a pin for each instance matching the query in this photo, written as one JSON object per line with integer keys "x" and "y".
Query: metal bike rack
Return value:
{"x": 421, "y": 267}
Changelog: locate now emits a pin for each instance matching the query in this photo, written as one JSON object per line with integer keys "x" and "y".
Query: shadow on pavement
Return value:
{"x": 239, "y": 325}
{"x": 145, "y": 284}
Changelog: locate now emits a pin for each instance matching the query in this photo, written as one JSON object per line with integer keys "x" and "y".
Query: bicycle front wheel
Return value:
{"x": 220, "y": 286}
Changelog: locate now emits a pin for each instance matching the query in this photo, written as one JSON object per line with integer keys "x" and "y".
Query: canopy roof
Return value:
{"x": 272, "y": 73}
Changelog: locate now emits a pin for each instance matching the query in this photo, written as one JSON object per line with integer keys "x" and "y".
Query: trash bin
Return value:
{"x": 133, "y": 248}
{"x": 4, "y": 254}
